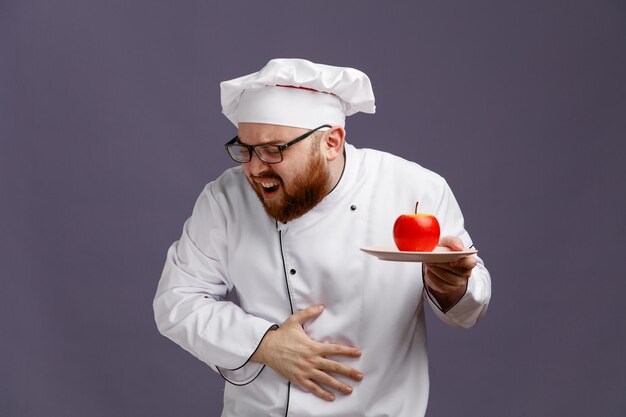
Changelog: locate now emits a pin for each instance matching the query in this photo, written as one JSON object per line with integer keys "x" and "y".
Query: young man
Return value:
{"x": 321, "y": 328}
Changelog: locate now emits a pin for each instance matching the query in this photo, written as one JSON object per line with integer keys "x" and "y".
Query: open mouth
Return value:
{"x": 268, "y": 187}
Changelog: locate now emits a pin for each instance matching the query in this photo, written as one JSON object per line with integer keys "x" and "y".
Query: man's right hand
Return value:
{"x": 290, "y": 352}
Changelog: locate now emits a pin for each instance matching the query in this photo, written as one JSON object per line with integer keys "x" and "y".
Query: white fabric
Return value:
{"x": 265, "y": 96}
{"x": 230, "y": 242}
{"x": 290, "y": 107}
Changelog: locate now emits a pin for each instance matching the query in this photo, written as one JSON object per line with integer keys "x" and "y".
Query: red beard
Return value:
{"x": 306, "y": 191}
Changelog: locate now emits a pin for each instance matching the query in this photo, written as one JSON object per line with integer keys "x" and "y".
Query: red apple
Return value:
{"x": 417, "y": 232}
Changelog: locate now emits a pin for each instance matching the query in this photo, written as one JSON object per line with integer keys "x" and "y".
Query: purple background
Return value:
{"x": 111, "y": 125}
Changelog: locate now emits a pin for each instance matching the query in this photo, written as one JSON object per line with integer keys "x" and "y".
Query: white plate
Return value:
{"x": 438, "y": 255}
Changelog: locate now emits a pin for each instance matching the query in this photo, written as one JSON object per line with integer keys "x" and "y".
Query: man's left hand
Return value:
{"x": 448, "y": 281}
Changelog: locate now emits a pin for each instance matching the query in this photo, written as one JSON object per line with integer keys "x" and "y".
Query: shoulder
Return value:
{"x": 231, "y": 180}
{"x": 390, "y": 167}
{"x": 226, "y": 191}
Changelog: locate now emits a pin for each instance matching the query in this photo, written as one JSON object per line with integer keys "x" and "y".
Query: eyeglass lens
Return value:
{"x": 269, "y": 153}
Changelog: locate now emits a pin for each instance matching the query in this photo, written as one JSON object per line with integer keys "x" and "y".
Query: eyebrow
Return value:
{"x": 274, "y": 142}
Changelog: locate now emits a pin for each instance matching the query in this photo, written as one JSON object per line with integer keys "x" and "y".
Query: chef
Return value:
{"x": 319, "y": 328}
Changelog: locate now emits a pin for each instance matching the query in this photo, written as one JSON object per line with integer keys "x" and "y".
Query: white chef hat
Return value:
{"x": 298, "y": 93}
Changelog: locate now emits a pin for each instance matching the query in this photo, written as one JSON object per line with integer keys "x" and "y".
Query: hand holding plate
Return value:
{"x": 448, "y": 281}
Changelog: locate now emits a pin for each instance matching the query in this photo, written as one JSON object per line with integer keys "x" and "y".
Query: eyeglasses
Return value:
{"x": 270, "y": 154}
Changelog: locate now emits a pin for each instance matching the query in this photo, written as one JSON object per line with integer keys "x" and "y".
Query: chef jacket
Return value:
{"x": 230, "y": 243}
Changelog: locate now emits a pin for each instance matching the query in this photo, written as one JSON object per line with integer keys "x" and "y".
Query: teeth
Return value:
{"x": 268, "y": 184}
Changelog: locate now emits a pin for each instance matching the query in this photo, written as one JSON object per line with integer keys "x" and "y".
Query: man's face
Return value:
{"x": 292, "y": 187}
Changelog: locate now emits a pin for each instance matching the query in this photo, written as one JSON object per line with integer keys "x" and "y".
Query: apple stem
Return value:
{"x": 416, "y": 204}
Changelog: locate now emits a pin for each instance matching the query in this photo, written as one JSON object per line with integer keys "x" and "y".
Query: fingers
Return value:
{"x": 451, "y": 242}
{"x": 330, "y": 349}
{"x": 443, "y": 280}
{"x": 307, "y": 314}
{"x": 320, "y": 377}
{"x": 467, "y": 262}
{"x": 313, "y": 388}
{"x": 461, "y": 267}
{"x": 338, "y": 368}
{"x": 438, "y": 282}
{"x": 323, "y": 349}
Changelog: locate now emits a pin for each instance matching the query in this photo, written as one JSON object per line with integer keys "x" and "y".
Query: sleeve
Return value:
{"x": 473, "y": 305}
{"x": 190, "y": 305}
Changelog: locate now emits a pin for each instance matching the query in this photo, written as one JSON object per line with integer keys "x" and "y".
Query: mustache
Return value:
{"x": 267, "y": 176}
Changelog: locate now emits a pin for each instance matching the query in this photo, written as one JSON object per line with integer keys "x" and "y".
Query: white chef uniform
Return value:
{"x": 277, "y": 269}
{"x": 230, "y": 243}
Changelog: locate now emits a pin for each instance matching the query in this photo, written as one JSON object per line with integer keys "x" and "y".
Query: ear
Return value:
{"x": 332, "y": 145}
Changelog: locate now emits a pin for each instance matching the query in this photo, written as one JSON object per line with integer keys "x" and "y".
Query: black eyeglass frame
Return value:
{"x": 279, "y": 148}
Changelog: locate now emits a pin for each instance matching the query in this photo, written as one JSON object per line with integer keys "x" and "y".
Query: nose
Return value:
{"x": 256, "y": 166}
